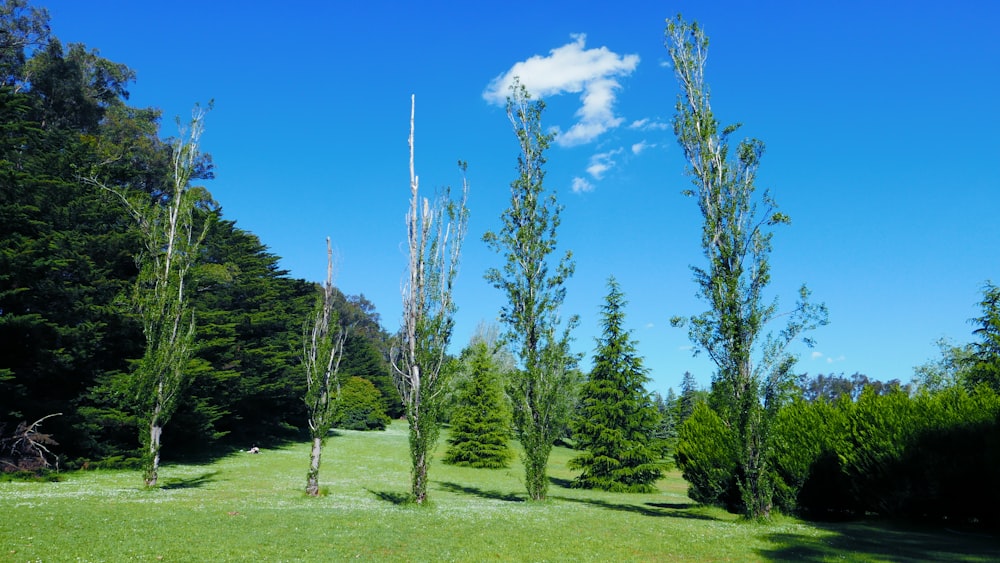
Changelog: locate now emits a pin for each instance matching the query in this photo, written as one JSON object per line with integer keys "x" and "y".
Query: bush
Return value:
{"x": 706, "y": 455}
{"x": 360, "y": 406}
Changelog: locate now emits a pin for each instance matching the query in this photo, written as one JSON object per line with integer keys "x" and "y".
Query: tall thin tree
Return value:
{"x": 172, "y": 233}
{"x": 737, "y": 243}
{"x": 543, "y": 385}
{"x": 435, "y": 231}
{"x": 323, "y": 348}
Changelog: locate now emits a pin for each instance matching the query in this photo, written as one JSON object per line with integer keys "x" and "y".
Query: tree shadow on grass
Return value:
{"x": 870, "y": 540}
{"x": 655, "y": 509}
{"x": 394, "y": 497}
{"x": 491, "y": 495}
{"x": 188, "y": 482}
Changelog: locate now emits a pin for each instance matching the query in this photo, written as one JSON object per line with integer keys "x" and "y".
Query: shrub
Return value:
{"x": 706, "y": 455}
{"x": 360, "y": 406}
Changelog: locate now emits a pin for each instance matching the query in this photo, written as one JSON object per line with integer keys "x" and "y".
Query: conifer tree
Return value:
{"x": 617, "y": 417}
{"x": 480, "y": 426}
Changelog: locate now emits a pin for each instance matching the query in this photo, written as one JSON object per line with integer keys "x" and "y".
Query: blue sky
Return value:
{"x": 880, "y": 120}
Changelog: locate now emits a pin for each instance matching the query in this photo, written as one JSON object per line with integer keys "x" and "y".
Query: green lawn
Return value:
{"x": 251, "y": 507}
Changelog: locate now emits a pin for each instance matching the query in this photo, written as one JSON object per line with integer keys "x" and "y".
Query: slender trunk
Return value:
{"x": 312, "y": 480}
{"x": 153, "y": 466}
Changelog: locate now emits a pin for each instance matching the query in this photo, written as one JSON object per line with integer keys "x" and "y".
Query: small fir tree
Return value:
{"x": 617, "y": 418}
{"x": 480, "y": 426}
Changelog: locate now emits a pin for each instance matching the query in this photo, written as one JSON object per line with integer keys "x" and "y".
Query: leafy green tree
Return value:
{"x": 360, "y": 406}
{"x": 947, "y": 371}
{"x": 480, "y": 425}
{"x": 323, "y": 348}
{"x": 736, "y": 242}
{"x": 616, "y": 420}
{"x": 535, "y": 289}
{"x": 435, "y": 232}
{"x": 984, "y": 367}
{"x": 172, "y": 233}
{"x": 21, "y": 27}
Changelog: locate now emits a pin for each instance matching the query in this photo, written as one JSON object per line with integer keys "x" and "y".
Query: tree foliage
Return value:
{"x": 435, "y": 232}
{"x": 736, "y": 242}
{"x": 615, "y": 422}
{"x": 535, "y": 289}
{"x": 480, "y": 424}
{"x": 323, "y": 348}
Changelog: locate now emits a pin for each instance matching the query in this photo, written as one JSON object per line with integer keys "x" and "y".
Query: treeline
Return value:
{"x": 68, "y": 338}
{"x": 850, "y": 447}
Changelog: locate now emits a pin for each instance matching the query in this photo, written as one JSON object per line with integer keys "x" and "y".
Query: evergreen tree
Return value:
{"x": 984, "y": 365}
{"x": 617, "y": 418}
{"x": 480, "y": 425}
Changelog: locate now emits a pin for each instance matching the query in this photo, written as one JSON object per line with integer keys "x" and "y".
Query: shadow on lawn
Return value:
{"x": 879, "y": 540}
{"x": 190, "y": 482}
{"x": 657, "y": 509}
{"x": 394, "y": 497}
{"x": 492, "y": 495}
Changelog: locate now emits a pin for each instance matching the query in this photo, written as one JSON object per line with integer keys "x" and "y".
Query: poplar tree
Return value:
{"x": 616, "y": 419}
{"x": 752, "y": 368}
{"x": 535, "y": 289}
{"x": 172, "y": 231}
{"x": 435, "y": 231}
{"x": 323, "y": 349}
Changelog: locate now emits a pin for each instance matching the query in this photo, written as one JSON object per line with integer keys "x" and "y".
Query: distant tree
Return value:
{"x": 617, "y": 418}
{"x": 323, "y": 348}
{"x": 665, "y": 434}
{"x": 691, "y": 395}
{"x": 984, "y": 366}
{"x": 435, "y": 232}
{"x": 21, "y": 27}
{"x": 542, "y": 389}
{"x": 950, "y": 369}
{"x": 480, "y": 425}
{"x": 736, "y": 243}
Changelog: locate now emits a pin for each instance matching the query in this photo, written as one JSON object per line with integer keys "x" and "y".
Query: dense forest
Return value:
{"x": 824, "y": 446}
{"x": 68, "y": 336}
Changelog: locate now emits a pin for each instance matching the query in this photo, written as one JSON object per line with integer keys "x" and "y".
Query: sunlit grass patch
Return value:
{"x": 253, "y": 507}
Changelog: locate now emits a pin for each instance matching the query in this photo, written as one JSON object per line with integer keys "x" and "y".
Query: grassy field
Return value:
{"x": 251, "y": 507}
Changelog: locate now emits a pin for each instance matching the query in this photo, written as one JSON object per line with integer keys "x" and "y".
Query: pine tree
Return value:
{"x": 617, "y": 417}
{"x": 480, "y": 426}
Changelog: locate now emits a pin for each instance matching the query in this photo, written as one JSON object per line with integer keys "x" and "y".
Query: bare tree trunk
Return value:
{"x": 312, "y": 481}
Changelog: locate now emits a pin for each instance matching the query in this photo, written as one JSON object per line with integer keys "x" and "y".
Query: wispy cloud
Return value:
{"x": 581, "y": 185}
{"x": 641, "y": 146}
{"x": 648, "y": 125}
{"x": 816, "y": 355}
{"x": 572, "y": 68}
{"x": 601, "y": 163}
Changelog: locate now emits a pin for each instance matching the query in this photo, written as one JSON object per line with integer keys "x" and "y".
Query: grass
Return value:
{"x": 252, "y": 507}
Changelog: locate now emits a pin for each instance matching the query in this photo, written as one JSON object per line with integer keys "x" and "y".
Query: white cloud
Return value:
{"x": 816, "y": 355}
{"x": 581, "y": 185}
{"x": 647, "y": 125}
{"x": 574, "y": 69}
{"x": 601, "y": 163}
{"x": 650, "y": 325}
{"x": 837, "y": 359}
{"x": 637, "y": 148}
